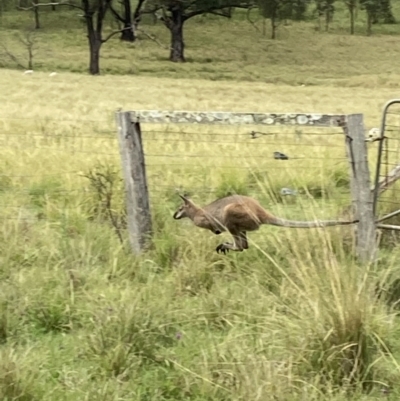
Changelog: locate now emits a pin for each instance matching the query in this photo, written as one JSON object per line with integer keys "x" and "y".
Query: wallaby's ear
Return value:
{"x": 184, "y": 198}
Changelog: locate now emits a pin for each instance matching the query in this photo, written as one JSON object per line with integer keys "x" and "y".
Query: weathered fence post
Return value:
{"x": 134, "y": 171}
{"x": 356, "y": 149}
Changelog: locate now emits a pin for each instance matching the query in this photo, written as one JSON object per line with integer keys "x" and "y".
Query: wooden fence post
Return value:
{"x": 134, "y": 171}
{"x": 356, "y": 149}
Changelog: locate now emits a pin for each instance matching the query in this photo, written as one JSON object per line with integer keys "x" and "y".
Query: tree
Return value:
{"x": 277, "y": 10}
{"x": 386, "y": 12}
{"x": 94, "y": 12}
{"x": 29, "y": 42}
{"x": 325, "y": 8}
{"x": 373, "y": 9}
{"x": 352, "y": 7}
{"x": 33, "y": 8}
{"x": 128, "y": 19}
{"x": 270, "y": 9}
{"x": 297, "y": 9}
{"x": 174, "y": 13}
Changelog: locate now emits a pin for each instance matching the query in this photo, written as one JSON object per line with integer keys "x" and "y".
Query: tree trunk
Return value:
{"x": 176, "y": 28}
{"x": 351, "y": 9}
{"x": 36, "y": 12}
{"x": 327, "y": 19}
{"x": 95, "y": 43}
{"x": 319, "y": 27}
{"x": 386, "y": 12}
{"x": 30, "y": 58}
{"x": 369, "y": 24}
{"x": 273, "y": 26}
{"x": 94, "y": 63}
{"x": 127, "y": 34}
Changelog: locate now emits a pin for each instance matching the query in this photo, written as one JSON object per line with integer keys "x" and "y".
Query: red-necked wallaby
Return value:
{"x": 239, "y": 214}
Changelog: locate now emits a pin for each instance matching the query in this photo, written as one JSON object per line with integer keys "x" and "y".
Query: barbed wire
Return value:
{"x": 397, "y": 150}
{"x": 58, "y": 120}
{"x": 79, "y": 173}
{"x": 390, "y": 164}
{"x": 393, "y": 113}
{"x": 61, "y": 136}
{"x": 46, "y": 192}
{"x": 165, "y": 188}
{"x": 164, "y": 165}
{"x": 392, "y": 126}
{"x": 241, "y": 157}
{"x": 248, "y": 134}
{"x": 242, "y": 143}
{"x": 269, "y": 195}
{"x": 42, "y": 209}
{"x": 165, "y": 139}
{"x": 61, "y": 150}
{"x": 39, "y": 175}
{"x": 19, "y": 219}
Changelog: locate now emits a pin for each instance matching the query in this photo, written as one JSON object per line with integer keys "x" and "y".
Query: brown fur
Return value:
{"x": 239, "y": 214}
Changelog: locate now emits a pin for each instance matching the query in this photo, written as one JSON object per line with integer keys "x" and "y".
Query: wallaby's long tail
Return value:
{"x": 276, "y": 221}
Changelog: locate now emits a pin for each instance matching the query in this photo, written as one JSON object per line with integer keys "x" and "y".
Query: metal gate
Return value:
{"x": 386, "y": 190}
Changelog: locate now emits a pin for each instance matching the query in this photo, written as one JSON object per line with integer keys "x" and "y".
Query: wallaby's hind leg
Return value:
{"x": 239, "y": 243}
{"x": 243, "y": 240}
{"x": 226, "y": 247}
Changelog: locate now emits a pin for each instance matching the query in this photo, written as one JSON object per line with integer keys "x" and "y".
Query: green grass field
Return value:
{"x": 292, "y": 318}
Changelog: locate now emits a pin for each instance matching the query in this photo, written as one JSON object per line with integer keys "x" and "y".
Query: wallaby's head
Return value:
{"x": 187, "y": 209}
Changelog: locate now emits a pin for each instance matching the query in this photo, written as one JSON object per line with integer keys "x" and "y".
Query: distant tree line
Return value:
{"x": 174, "y": 13}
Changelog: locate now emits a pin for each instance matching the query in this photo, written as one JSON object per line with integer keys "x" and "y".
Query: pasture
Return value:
{"x": 293, "y": 318}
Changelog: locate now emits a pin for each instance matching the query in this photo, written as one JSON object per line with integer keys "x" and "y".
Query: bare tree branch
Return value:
{"x": 29, "y": 42}
{"x": 152, "y": 11}
{"x": 137, "y": 12}
{"x": 214, "y": 8}
{"x": 250, "y": 20}
{"x": 154, "y": 39}
{"x": 12, "y": 57}
{"x": 115, "y": 33}
{"x": 49, "y": 4}
{"x": 115, "y": 14}
{"x": 165, "y": 18}
{"x": 221, "y": 14}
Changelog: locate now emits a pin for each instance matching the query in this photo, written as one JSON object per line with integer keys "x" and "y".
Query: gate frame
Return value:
{"x": 391, "y": 178}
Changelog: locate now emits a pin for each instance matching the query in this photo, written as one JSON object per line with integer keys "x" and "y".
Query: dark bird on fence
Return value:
{"x": 238, "y": 214}
{"x": 280, "y": 156}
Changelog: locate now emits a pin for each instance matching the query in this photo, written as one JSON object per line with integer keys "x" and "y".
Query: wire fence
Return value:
{"x": 45, "y": 165}
{"x": 300, "y": 169}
